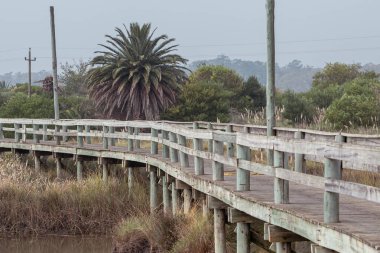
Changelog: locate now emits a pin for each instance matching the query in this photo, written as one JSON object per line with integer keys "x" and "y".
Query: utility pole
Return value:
{"x": 29, "y": 59}
{"x": 271, "y": 61}
{"x": 54, "y": 61}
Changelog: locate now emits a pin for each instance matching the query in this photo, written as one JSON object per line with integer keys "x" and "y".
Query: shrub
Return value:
{"x": 201, "y": 101}
{"x": 297, "y": 109}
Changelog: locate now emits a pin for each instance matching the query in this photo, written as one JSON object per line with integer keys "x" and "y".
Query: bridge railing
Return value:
{"x": 224, "y": 145}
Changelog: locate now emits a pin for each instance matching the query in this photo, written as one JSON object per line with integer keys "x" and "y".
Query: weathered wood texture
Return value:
{"x": 229, "y": 179}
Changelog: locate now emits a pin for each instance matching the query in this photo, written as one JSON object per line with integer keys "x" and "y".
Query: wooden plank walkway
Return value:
{"x": 359, "y": 226}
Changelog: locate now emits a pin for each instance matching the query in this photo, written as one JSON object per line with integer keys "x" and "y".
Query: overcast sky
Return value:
{"x": 313, "y": 31}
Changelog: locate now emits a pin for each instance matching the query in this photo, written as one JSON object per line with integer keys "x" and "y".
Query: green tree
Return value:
{"x": 20, "y": 106}
{"x": 253, "y": 95}
{"x": 74, "y": 78}
{"x": 137, "y": 76}
{"x": 340, "y": 73}
{"x": 297, "y": 109}
{"x": 203, "y": 101}
{"x": 229, "y": 78}
{"x": 77, "y": 107}
{"x": 322, "y": 97}
{"x": 359, "y": 105}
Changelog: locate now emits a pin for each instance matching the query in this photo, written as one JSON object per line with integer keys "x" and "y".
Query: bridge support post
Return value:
{"x": 299, "y": 158}
{"x": 175, "y": 199}
{"x": 319, "y": 249}
{"x": 283, "y": 247}
{"x": 333, "y": 170}
{"x": 187, "y": 197}
{"x": 173, "y": 151}
{"x": 153, "y": 189}
{"x": 166, "y": 195}
{"x": 59, "y": 168}
{"x": 198, "y": 161}
{"x": 165, "y": 148}
{"x": 79, "y": 170}
{"x": 219, "y": 231}
{"x": 104, "y": 170}
{"x": 37, "y": 161}
{"x": 130, "y": 181}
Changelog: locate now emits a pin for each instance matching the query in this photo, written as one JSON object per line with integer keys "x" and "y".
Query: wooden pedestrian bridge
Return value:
{"x": 221, "y": 165}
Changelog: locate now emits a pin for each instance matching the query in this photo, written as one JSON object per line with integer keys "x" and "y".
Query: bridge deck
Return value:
{"x": 359, "y": 218}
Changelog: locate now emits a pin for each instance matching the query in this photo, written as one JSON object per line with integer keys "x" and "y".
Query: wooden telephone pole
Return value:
{"x": 29, "y": 59}
{"x": 54, "y": 63}
{"x": 271, "y": 61}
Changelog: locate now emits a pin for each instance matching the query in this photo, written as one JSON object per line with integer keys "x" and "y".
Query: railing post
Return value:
{"x": 79, "y": 137}
{"x": 137, "y": 142}
{"x": 299, "y": 158}
{"x": 1, "y": 131}
{"x": 173, "y": 151}
{"x": 198, "y": 146}
{"x": 105, "y": 139}
{"x": 154, "y": 144}
{"x": 88, "y": 137}
{"x": 64, "y": 130}
{"x": 210, "y": 142}
{"x": 44, "y": 129}
{"x": 333, "y": 170}
{"x": 153, "y": 188}
{"x": 130, "y": 141}
{"x": 183, "y": 157}
{"x": 57, "y": 129}
{"x": 17, "y": 135}
{"x": 111, "y": 140}
{"x": 242, "y": 175}
{"x": 281, "y": 186}
{"x": 217, "y": 167}
{"x": 165, "y": 148}
{"x": 24, "y": 132}
{"x": 36, "y": 137}
{"x": 230, "y": 146}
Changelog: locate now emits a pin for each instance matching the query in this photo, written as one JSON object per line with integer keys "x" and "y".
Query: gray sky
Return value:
{"x": 313, "y": 31}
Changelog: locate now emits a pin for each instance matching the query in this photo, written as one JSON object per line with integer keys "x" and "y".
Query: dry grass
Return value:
{"x": 33, "y": 204}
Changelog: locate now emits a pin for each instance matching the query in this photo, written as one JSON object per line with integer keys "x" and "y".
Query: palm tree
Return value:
{"x": 137, "y": 76}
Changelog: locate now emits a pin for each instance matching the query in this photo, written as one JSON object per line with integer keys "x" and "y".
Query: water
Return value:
{"x": 57, "y": 244}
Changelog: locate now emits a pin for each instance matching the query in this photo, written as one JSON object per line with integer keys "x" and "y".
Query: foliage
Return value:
{"x": 74, "y": 78}
{"x": 252, "y": 96}
{"x": 229, "y": 78}
{"x": 23, "y": 88}
{"x": 75, "y": 107}
{"x": 201, "y": 101}
{"x": 322, "y": 97}
{"x": 359, "y": 105}
{"x": 339, "y": 73}
{"x": 20, "y": 106}
{"x": 138, "y": 76}
{"x": 297, "y": 108}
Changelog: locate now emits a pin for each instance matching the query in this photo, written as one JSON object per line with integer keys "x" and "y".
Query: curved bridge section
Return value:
{"x": 223, "y": 164}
